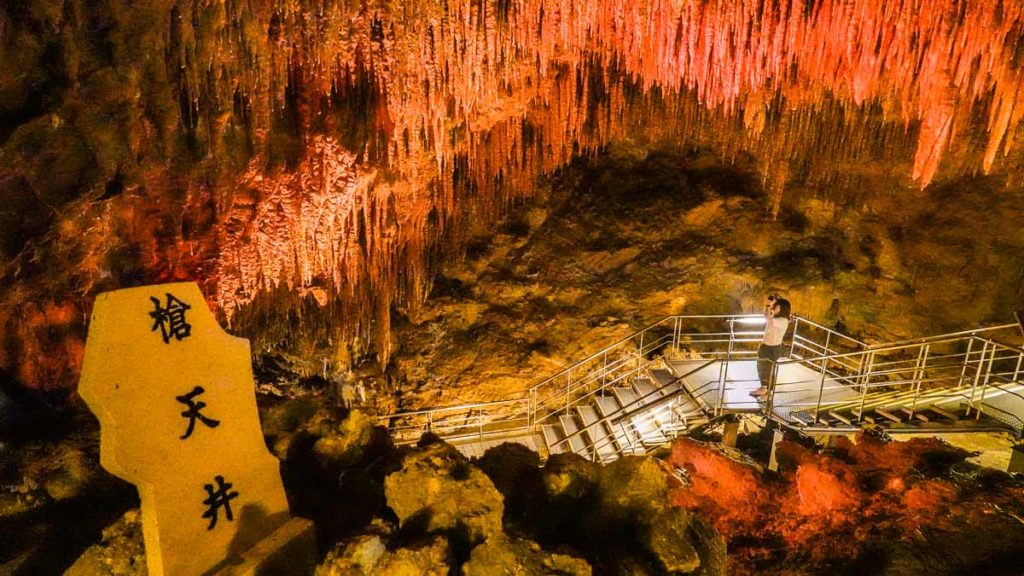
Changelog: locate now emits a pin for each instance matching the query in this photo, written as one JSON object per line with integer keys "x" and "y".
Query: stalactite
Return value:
{"x": 335, "y": 142}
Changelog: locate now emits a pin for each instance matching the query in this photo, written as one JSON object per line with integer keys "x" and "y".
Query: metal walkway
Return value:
{"x": 685, "y": 371}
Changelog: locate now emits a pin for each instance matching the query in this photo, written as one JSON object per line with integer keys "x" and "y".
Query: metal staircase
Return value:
{"x": 683, "y": 372}
{"x": 628, "y": 419}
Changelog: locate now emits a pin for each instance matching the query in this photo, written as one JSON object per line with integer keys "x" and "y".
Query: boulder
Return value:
{"x": 368, "y": 554}
{"x": 348, "y": 442}
{"x": 631, "y": 485}
{"x": 632, "y": 499}
{"x": 437, "y": 490}
{"x": 503, "y": 555}
{"x": 710, "y": 546}
{"x": 284, "y": 424}
{"x": 665, "y": 533}
{"x": 569, "y": 477}
{"x": 510, "y": 466}
{"x": 516, "y": 473}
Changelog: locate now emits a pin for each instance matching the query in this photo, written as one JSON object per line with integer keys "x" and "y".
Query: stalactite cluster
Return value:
{"x": 332, "y": 149}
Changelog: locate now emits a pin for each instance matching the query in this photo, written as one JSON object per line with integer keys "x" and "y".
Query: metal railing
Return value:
{"x": 725, "y": 337}
{"x": 965, "y": 370}
{"x": 653, "y": 406}
{"x": 956, "y": 371}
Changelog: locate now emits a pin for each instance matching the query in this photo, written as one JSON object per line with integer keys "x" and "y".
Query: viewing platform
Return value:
{"x": 687, "y": 372}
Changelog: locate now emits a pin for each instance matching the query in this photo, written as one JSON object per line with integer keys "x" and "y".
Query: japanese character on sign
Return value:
{"x": 195, "y": 411}
{"x": 170, "y": 319}
{"x": 219, "y": 498}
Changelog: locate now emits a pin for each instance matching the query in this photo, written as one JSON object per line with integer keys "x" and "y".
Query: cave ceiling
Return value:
{"x": 302, "y": 155}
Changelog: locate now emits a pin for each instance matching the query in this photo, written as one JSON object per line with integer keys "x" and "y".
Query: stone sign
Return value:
{"x": 176, "y": 402}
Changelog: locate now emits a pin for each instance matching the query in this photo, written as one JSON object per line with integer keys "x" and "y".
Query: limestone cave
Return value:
{"x": 482, "y": 287}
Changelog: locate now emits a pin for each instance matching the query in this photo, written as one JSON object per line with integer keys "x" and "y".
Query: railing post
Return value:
{"x": 984, "y": 386}
{"x": 531, "y": 415}
{"x": 828, "y": 340}
{"x": 922, "y": 361}
{"x": 865, "y": 383}
{"x": 677, "y": 329}
{"x": 977, "y": 376}
{"x": 1016, "y": 371}
{"x": 821, "y": 390}
{"x": 967, "y": 360}
{"x": 604, "y": 368}
{"x": 568, "y": 386}
{"x": 773, "y": 380}
{"x": 792, "y": 345}
{"x": 723, "y": 373}
{"x": 640, "y": 353}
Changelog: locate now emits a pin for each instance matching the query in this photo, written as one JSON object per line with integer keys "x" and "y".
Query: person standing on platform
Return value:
{"x": 776, "y": 314}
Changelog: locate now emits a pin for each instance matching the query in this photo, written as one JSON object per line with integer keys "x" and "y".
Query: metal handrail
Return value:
{"x": 927, "y": 339}
{"x": 866, "y": 367}
{"x": 804, "y": 320}
{"x": 637, "y": 402}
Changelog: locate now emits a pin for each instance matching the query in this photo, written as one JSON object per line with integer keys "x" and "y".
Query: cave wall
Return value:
{"x": 310, "y": 162}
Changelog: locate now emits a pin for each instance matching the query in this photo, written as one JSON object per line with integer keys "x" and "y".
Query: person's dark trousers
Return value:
{"x": 764, "y": 367}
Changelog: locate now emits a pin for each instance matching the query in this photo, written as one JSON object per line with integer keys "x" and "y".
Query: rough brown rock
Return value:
{"x": 569, "y": 476}
{"x": 710, "y": 546}
{"x": 633, "y": 491}
{"x": 631, "y": 485}
{"x": 665, "y": 533}
{"x": 437, "y": 486}
{"x": 346, "y": 443}
{"x": 515, "y": 557}
{"x": 509, "y": 466}
{"x": 368, "y": 555}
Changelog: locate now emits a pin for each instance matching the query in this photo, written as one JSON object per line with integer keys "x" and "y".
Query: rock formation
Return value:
{"x": 311, "y": 162}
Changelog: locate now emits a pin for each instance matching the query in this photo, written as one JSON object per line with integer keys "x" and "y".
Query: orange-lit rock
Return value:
{"x": 331, "y": 148}
{"x": 856, "y": 499}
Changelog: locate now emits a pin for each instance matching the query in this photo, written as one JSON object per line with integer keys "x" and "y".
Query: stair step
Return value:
{"x": 626, "y": 440}
{"x": 802, "y": 418}
{"x": 607, "y": 405}
{"x": 649, "y": 430}
{"x": 840, "y": 417}
{"x": 644, "y": 425}
{"x": 943, "y": 412}
{"x": 912, "y": 414}
{"x": 576, "y": 442}
{"x": 599, "y": 436}
{"x": 662, "y": 377}
{"x": 552, "y": 434}
{"x": 889, "y": 415}
{"x": 645, "y": 390}
{"x": 626, "y": 397}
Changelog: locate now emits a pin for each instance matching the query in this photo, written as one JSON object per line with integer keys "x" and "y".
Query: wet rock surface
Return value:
{"x": 56, "y": 500}
{"x": 617, "y": 515}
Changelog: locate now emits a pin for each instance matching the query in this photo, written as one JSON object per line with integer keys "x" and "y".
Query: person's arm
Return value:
{"x": 768, "y": 307}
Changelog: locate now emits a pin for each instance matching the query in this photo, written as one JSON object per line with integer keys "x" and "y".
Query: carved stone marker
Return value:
{"x": 176, "y": 402}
